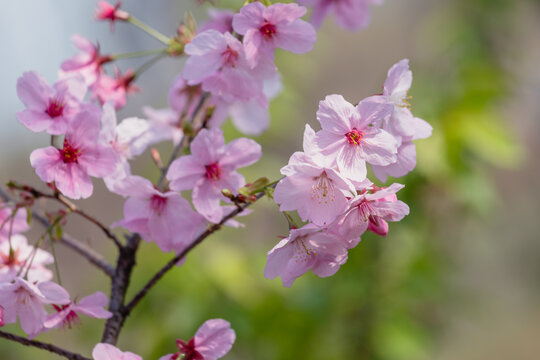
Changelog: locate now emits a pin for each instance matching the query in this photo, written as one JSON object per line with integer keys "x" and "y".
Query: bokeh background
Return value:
{"x": 457, "y": 279}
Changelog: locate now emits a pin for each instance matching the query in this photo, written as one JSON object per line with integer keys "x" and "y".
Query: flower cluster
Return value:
{"x": 229, "y": 72}
{"x": 327, "y": 183}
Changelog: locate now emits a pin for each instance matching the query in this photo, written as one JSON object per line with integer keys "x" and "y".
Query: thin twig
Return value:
{"x": 44, "y": 346}
{"x": 138, "y": 297}
{"x": 186, "y": 140}
{"x": 87, "y": 252}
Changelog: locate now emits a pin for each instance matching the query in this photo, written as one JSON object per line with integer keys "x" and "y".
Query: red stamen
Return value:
{"x": 212, "y": 171}
{"x": 268, "y": 30}
{"x": 69, "y": 153}
{"x": 354, "y": 137}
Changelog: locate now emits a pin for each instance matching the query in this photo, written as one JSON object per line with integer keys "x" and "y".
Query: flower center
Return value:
{"x": 268, "y": 30}
{"x": 366, "y": 210}
{"x": 212, "y": 171}
{"x": 323, "y": 189}
{"x": 55, "y": 108}
{"x": 158, "y": 203}
{"x": 71, "y": 318}
{"x": 188, "y": 350}
{"x": 355, "y": 136}
{"x": 303, "y": 252}
{"x": 230, "y": 57}
{"x": 69, "y": 153}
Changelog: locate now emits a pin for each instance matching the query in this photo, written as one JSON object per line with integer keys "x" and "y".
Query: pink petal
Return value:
{"x": 214, "y": 339}
{"x": 35, "y": 120}
{"x": 206, "y": 196}
{"x": 45, "y": 161}
{"x": 380, "y": 148}
{"x": 250, "y": 16}
{"x": 351, "y": 163}
{"x": 297, "y": 37}
{"x": 337, "y": 115}
{"x": 240, "y": 153}
{"x": 93, "y": 306}
{"x": 99, "y": 160}
{"x": 33, "y": 90}
{"x": 207, "y": 147}
{"x": 185, "y": 172}
{"x": 53, "y": 293}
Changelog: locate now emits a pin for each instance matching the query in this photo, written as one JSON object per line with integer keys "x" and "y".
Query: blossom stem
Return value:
{"x": 44, "y": 346}
{"x": 148, "y": 64}
{"x": 137, "y": 54}
{"x": 149, "y": 30}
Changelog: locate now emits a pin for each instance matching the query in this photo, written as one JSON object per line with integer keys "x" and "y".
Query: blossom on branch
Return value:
{"x": 212, "y": 341}
{"x": 104, "y": 351}
{"x": 80, "y": 157}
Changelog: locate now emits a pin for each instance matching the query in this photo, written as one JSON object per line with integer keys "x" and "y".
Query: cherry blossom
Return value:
{"x": 26, "y": 300}
{"x": 279, "y": 25}
{"x": 16, "y": 254}
{"x": 352, "y": 136}
{"x": 80, "y": 157}
{"x": 370, "y": 211}
{"x": 307, "y": 248}
{"x": 49, "y": 108}
{"x": 129, "y": 139}
{"x": 104, "y": 351}
{"x": 218, "y": 62}
{"x": 114, "y": 88}
{"x": 163, "y": 217}
{"x": 401, "y": 124}
{"x": 220, "y": 20}
{"x": 213, "y": 340}
{"x": 312, "y": 187}
{"x": 349, "y": 14}
{"x": 106, "y": 11}
{"x": 67, "y": 315}
{"x": 210, "y": 168}
{"x": 12, "y": 223}
{"x": 88, "y": 63}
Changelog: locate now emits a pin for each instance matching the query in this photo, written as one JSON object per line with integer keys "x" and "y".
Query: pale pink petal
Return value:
{"x": 372, "y": 113}
{"x": 214, "y": 339}
{"x": 250, "y": 17}
{"x": 351, "y": 163}
{"x": 45, "y": 161}
{"x": 277, "y": 259}
{"x": 35, "y": 120}
{"x": 380, "y": 148}
{"x": 32, "y": 315}
{"x": 337, "y": 115}
{"x": 93, "y": 306}
{"x": 185, "y": 172}
{"x": 249, "y": 117}
{"x": 104, "y": 351}
{"x": 406, "y": 161}
{"x": 240, "y": 153}
{"x": 208, "y": 145}
{"x": 399, "y": 80}
{"x": 53, "y": 293}
{"x": 33, "y": 90}
{"x": 297, "y": 37}
{"x": 206, "y": 196}
{"x": 99, "y": 161}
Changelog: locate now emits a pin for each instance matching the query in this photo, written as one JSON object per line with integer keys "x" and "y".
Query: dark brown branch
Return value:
{"x": 150, "y": 284}
{"x": 44, "y": 346}
{"x": 90, "y": 254}
{"x": 119, "y": 286}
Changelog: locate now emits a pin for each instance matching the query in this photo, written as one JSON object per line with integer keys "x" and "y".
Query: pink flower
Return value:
{"x": 109, "y": 352}
{"x": 88, "y": 63}
{"x": 210, "y": 168}
{"x": 351, "y": 136}
{"x": 349, "y": 14}
{"x": 129, "y": 139}
{"x": 163, "y": 217}
{"x": 115, "y": 88}
{"x": 370, "y": 211}
{"x": 14, "y": 258}
{"x": 220, "y": 20}
{"x": 184, "y": 98}
{"x": 80, "y": 157}
{"x": 218, "y": 62}
{"x": 279, "y": 25}
{"x": 402, "y": 124}
{"x": 12, "y": 225}
{"x": 106, "y": 11}
{"x": 67, "y": 315}
{"x": 307, "y": 248}
{"x": 26, "y": 300}
{"x": 312, "y": 186}
{"x": 49, "y": 108}
{"x": 212, "y": 341}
